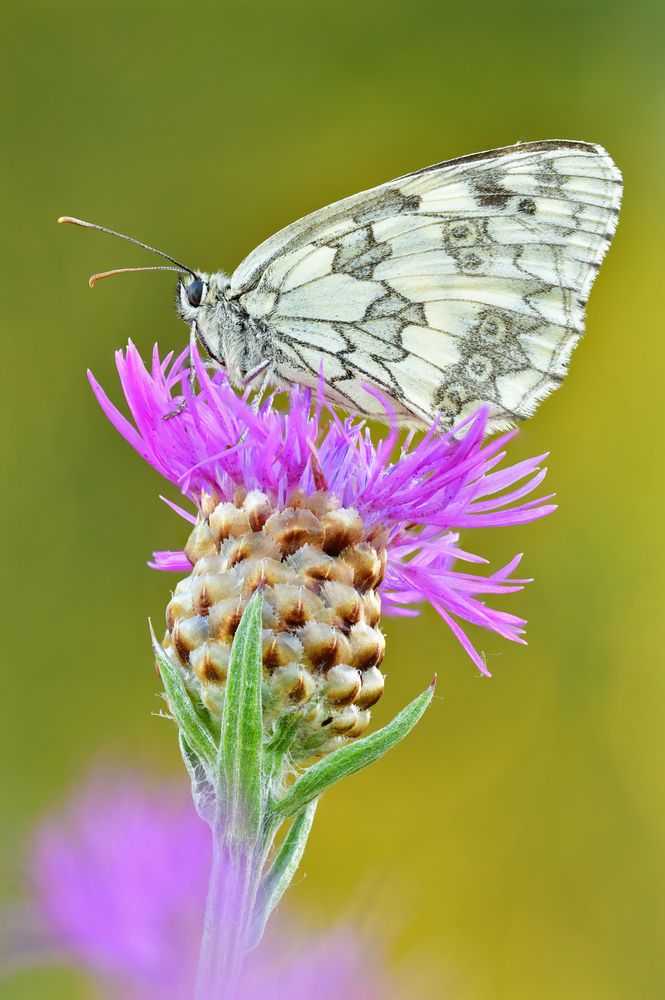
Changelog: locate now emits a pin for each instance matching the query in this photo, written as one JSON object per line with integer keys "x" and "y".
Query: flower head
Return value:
{"x": 118, "y": 888}
{"x": 417, "y": 500}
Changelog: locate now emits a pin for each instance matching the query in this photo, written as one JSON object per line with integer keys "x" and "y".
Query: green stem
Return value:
{"x": 234, "y": 880}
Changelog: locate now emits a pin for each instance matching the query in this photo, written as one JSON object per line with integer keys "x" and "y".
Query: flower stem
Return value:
{"x": 234, "y": 879}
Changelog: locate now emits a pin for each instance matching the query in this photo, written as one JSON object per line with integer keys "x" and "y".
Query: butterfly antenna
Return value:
{"x": 129, "y": 239}
{"x": 127, "y": 270}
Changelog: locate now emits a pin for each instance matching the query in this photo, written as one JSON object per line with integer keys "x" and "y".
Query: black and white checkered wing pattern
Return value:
{"x": 458, "y": 285}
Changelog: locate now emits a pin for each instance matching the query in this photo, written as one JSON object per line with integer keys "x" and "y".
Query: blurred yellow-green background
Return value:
{"x": 513, "y": 846}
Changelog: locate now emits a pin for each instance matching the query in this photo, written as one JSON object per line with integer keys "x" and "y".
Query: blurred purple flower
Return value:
{"x": 118, "y": 887}
{"x": 120, "y": 881}
{"x": 417, "y": 497}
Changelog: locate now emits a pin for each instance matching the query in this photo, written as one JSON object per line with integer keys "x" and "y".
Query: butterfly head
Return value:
{"x": 192, "y": 297}
{"x": 198, "y": 297}
{"x": 198, "y": 294}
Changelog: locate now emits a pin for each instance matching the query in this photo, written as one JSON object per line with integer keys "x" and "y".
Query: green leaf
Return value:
{"x": 351, "y": 758}
{"x": 198, "y": 737}
{"x": 280, "y": 874}
{"x": 240, "y": 749}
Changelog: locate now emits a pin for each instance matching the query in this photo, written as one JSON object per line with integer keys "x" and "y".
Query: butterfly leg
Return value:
{"x": 264, "y": 367}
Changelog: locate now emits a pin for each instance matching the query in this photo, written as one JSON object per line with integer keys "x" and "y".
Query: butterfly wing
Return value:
{"x": 459, "y": 285}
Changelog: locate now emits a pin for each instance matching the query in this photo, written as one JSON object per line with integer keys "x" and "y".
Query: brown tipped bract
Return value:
{"x": 322, "y": 647}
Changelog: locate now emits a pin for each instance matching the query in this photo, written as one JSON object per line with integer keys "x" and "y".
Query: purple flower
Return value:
{"x": 118, "y": 887}
{"x": 119, "y": 883}
{"x": 417, "y": 495}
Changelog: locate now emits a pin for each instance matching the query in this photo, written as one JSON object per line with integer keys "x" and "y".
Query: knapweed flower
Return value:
{"x": 332, "y": 526}
{"x": 117, "y": 887}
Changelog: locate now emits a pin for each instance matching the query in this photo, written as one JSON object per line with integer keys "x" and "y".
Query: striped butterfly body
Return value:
{"x": 459, "y": 285}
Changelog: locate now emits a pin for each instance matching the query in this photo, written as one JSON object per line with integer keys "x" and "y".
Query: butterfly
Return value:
{"x": 459, "y": 285}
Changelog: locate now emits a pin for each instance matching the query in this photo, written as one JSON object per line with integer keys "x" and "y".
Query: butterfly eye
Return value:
{"x": 195, "y": 292}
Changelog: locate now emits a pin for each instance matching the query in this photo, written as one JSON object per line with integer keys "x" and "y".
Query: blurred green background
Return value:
{"x": 513, "y": 847}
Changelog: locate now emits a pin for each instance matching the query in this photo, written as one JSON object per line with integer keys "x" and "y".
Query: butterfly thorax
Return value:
{"x": 229, "y": 335}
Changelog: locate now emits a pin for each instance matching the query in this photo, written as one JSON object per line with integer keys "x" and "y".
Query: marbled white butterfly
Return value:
{"x": 458, "y": 285}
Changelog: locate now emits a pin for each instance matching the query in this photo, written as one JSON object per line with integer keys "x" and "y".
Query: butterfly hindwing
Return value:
{"x": 457, "y": 285}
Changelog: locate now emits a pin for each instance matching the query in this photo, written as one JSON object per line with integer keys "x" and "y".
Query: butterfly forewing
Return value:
{"x": 458, "y": 285}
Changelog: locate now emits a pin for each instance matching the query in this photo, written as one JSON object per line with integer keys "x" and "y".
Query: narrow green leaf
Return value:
{"x": 351, "y": 758}
{"x": 280, "y": 874}
{"x": 189, "y": 722}
{"x": 241, "y": 751}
